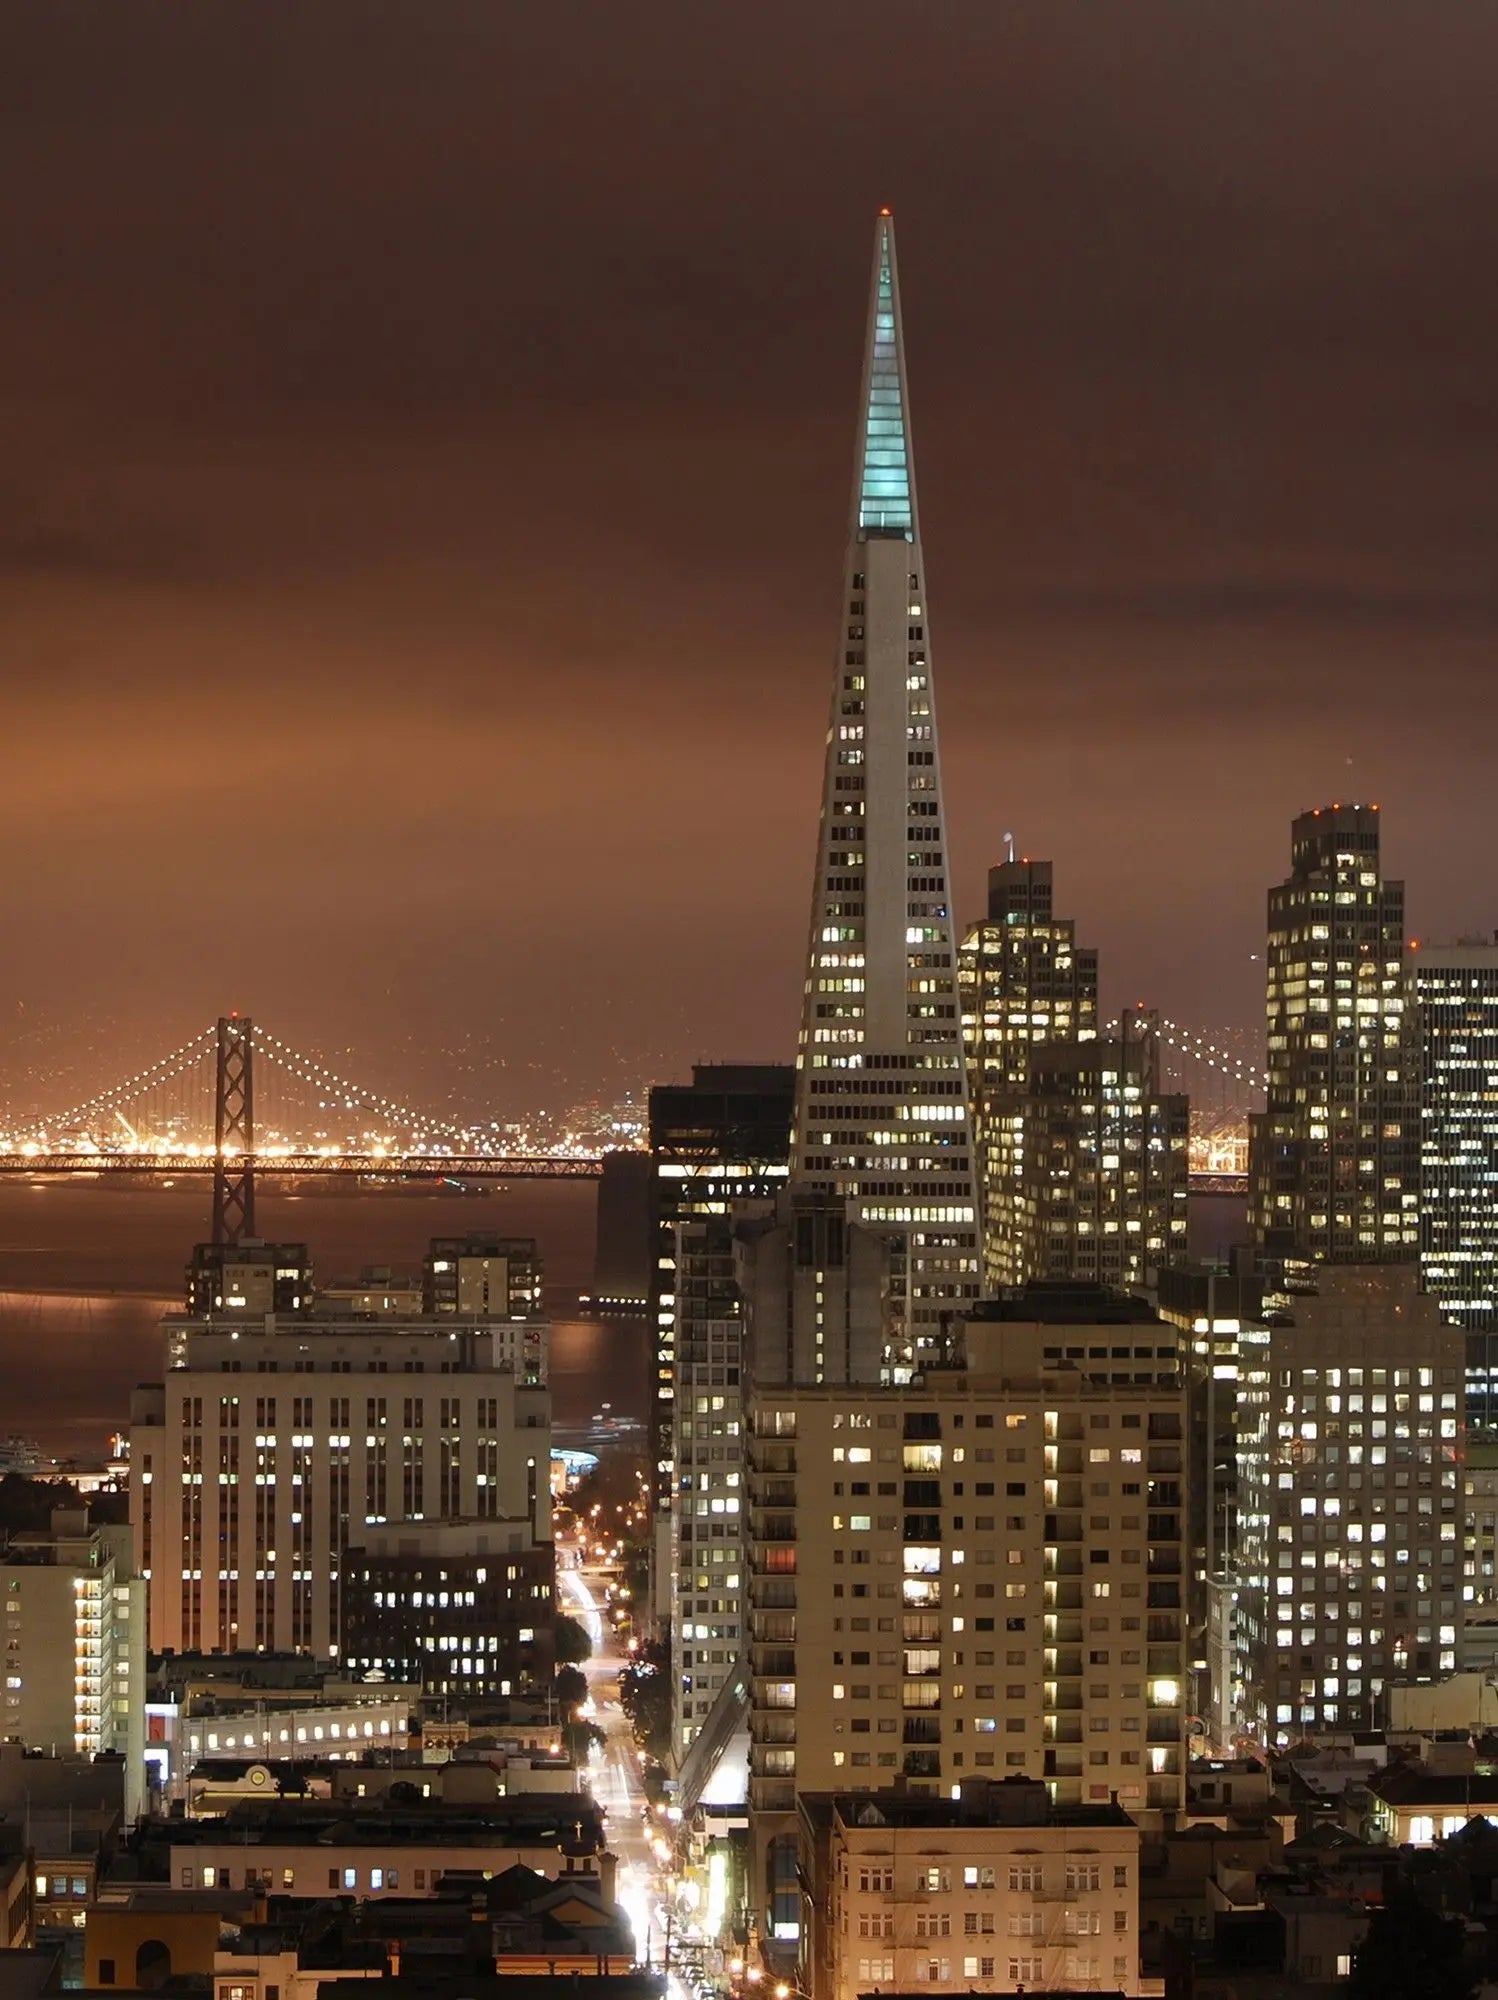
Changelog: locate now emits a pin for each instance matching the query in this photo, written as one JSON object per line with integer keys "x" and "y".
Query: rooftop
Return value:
{"x": 1065, "y": 1302}
{"x": 1010, "y": 1802}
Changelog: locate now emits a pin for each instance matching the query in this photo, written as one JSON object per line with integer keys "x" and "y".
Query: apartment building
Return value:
{"x": 74, "y": 1643}
{"x": 998, "y": 1890}
{"x": 978, "y": 1573}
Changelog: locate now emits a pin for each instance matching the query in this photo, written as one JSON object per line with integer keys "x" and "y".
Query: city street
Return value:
{"x": 614, "y": 1774}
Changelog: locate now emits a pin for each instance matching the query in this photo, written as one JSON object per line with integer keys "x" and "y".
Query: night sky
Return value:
{"x": 426, "y": 445}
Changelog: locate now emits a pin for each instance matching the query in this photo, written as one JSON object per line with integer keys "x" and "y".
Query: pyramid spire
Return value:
{"x": 881, "y": 1103}
{"x": 885, "y": 495}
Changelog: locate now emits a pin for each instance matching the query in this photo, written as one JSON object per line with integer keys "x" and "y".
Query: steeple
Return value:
{"x": 881, "y": 1102}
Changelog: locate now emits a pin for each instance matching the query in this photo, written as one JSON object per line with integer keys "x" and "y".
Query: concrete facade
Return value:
{"x": 275, "y": 1442}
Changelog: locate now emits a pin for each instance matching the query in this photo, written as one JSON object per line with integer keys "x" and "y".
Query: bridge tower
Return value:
{"x": 234, "y": 1131}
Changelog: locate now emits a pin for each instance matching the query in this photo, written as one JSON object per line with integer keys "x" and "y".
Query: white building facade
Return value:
{"x": 273, "y": 1443}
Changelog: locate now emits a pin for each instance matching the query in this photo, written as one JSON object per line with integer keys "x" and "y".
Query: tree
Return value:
{"x": 645, "y": 1697}
{"x": 580, "y": 1739}
{"x": 1411, "y": 1952}
{"x": 573, "y": 1645}
{"x": 571, "y": 1688}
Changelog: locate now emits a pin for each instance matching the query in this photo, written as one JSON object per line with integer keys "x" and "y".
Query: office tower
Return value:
{"x": 75, "y": 1644}
{"x": 462, "y": 1608}
{"x": 624, "y": 1253}
{"x": 277, "y": 1439}
{"x": 1334, "y": 1156}
{"x": 1456, "y": 987}
{"x": 1351, "y": 1432}
{"x": 1025, "y": 981}
{"x": 881, "y": 1117}
{"x": 977, "y": 1573}
{"x": 720, "y": 1139}
{"x": 718, "y": 1144}
{"x": 1083, "y": 1159}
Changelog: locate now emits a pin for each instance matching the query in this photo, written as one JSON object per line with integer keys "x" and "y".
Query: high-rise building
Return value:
{"x": 1456, "y": 987}
{"x": 1025, "y": 980}
{"x": 976, "y": 1573}
{"x": 277, "y": 1439}
{"x": 1083, "y": 1160}
{"x": 1348, "y": 1564}
{"x": 881, "y": 1117}
{"x": 1334, "y": 1156}
{"x": 722, "y": 1139}
{"x": 707, "y": 1517}
{"x": 624, "y": 1250}
{"x": 75, "y": 1644}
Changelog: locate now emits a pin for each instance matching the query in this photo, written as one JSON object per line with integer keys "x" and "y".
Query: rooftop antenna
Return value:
{"x": 1009, "y": 843}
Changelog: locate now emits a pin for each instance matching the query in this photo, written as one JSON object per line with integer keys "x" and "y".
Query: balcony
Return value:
{"x": 772, "y": 1593}
{"x": 923, "y": 1528}
{"x": 774, "y": 1663}
{"x": 922, "y": 1764}
{"x": 772, "y": 1628}
{"x": 775, "y": 1528}
{"x": 922, "y": 1729}
{"x": 923, "y": 1493}
{"x": 766, "y": 1457}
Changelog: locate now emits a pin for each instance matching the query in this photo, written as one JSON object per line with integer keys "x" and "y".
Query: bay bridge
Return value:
{"x": 156, "y": 1123}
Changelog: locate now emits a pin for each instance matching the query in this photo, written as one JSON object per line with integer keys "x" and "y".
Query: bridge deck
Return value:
{"x": 390, "y": 1167}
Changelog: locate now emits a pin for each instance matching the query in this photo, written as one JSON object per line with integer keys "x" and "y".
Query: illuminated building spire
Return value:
{"x": 881, "y": 1103}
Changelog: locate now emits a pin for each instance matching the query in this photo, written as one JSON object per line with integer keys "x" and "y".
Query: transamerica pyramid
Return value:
{"x": 881, "y": 1100}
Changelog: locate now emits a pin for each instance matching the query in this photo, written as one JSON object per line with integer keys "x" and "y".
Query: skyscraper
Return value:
{"x": 1334, "y": 1157}
{"x": 881, "y": 1116}
{"x": 1457, "y": 990}
{"x": 869, "y": 1364}
{"x": 723, "y": 1138}
{"x": 1083, "y": 1160}
{"x": 717, "y": 1144}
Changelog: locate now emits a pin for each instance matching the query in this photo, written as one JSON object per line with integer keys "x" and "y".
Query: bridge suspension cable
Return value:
{"x": 1201, "y": 1050}
{"x": 319, "y": 1077}
{"x": 150, "y": 1078}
